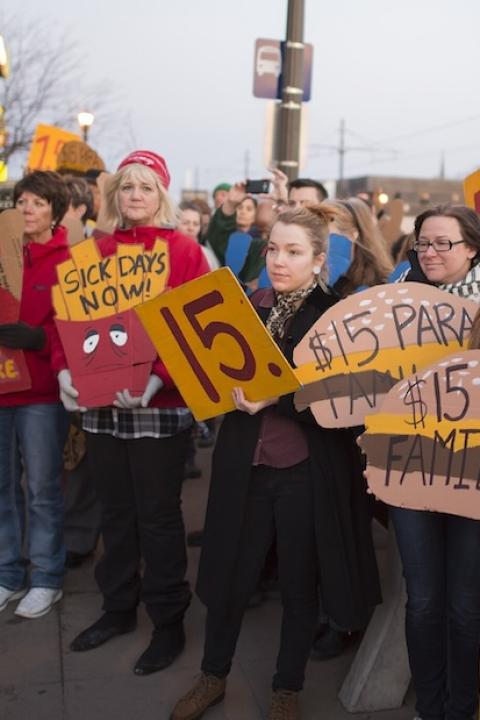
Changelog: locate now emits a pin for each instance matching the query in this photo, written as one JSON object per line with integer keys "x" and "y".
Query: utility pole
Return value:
{"x": 341, "y": 150}
{"x": 246, "y": 165}
{"x": 290, "y": 108}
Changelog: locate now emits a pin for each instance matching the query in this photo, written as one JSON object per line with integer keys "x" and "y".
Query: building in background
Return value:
{"x": 417, "y": 193}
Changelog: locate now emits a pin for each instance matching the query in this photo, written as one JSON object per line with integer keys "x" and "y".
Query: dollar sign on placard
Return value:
{"x": 413, "y": 399}
{"x": 323, "y": 355}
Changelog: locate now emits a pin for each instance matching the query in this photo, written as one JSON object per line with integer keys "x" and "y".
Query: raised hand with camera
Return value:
{"x": 236, "y": 195}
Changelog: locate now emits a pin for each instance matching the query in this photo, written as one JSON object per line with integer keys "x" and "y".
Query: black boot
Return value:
{"x": 166, "y": 644}
{"x": 109, "y": 625}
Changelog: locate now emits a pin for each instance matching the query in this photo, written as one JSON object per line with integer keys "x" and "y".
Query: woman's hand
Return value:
{"x": 68, "y": 394}
{"x": 127, "y": 402}
{"x": 252, "y": 408}
{"x": 235, "y": 196}
{"x": 21, "y": 336}
{"x": 280, "y": 187}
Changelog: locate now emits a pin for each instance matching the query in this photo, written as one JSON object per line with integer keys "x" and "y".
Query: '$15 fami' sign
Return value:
{"x": 423, "y": 446}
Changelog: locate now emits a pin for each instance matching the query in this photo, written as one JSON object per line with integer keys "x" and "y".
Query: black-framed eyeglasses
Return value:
{"x": 421, "y": 246}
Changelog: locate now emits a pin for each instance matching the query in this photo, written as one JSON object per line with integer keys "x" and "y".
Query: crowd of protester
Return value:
{"x": 284, "y": 492}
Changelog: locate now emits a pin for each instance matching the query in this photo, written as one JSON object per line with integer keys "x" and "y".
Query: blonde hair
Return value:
{"x": 166, "y": 213}
{"x": 371, "y": 263}
{"x": 314, "y": 220}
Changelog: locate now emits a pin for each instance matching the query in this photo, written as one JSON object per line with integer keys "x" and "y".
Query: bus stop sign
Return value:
{"x": 268, "y": 65}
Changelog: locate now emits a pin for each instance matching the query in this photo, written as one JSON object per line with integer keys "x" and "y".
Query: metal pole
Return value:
{"x": 341, "y": 151}
{"x": 290, "y": 107}
{"x": 246, "y": 166}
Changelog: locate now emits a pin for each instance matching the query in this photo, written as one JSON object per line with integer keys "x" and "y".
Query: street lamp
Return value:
{"x": 4, "y": 68}
{"x": 85, "y": 120}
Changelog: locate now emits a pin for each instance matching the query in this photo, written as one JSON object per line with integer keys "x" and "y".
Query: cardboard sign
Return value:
{"x": 471, "y": 191}
{"x": 75, "y": 231}
{"x": 103, "y": 224}
{"x": 47, "y": 142}
{"x": 390, "y": 224}
{"x": 362, "y": 346}
{"x": 77, "y": 156}
{"x": 212, "y": 340}
{"x": 11, "y": 252}
{"x": 106, "y": 347}
{"x": 423, "y": 446}
{"x": 93, "y": 286}
{"x": 14, "y": 375}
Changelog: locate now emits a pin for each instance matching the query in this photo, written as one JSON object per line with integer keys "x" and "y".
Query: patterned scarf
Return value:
{"x": 286, "y": 307}
{"x": 468, "y": 287}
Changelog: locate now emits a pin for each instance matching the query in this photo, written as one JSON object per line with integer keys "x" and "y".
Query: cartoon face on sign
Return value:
{"x": 107, "y": 348}
{"x": 114, "y": 351}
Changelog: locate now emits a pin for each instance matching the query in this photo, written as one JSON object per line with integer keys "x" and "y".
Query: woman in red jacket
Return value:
{"x": 33, "y": 423}
{"x": 136, "y": 449}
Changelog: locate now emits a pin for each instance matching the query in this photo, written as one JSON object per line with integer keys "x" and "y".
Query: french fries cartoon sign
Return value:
{"x": 106, "y": 346}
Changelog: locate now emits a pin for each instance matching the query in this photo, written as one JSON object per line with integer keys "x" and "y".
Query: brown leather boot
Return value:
{"x": 207, "y": 691}
{"x": 284, "y": 705}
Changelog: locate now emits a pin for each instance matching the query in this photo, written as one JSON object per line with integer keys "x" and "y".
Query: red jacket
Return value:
{"x": 187, "y": 262}
{"x": 39, "y": 275}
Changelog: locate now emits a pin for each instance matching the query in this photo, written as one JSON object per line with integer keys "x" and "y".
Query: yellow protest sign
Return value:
{"x": 471, "y": 190}
{"x": 91, "y": 286}
{"x": 212, "y": 340}
{"x": 47, "y": 142}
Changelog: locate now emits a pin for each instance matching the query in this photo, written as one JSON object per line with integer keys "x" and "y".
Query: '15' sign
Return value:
{"x": 211, "y": 340}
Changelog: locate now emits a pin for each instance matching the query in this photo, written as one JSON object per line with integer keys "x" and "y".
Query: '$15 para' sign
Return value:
{"x": 211, "y": 340}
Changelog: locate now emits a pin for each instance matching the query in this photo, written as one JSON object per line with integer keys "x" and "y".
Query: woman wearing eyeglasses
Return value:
{"x": 441, "y": 552}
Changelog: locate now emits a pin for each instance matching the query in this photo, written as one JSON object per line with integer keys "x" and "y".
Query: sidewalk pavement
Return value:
{"x": 41, "y": 679}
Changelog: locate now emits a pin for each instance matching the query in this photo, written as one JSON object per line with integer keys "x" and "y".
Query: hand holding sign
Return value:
{"x": 423, "y": 446}
{"x": 359, "y": 348}
{"x": 211, "y": 340}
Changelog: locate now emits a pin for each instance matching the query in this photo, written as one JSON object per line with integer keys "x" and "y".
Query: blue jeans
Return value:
{"x": 36, "y": 434}
{"x": 441, "y": 562}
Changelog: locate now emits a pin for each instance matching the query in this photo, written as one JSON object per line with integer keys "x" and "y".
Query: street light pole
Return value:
{"x": 290, "y": 108}
{"x": 85, "y": 120}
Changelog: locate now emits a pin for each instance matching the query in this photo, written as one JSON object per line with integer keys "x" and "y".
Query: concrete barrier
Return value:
{"x": 380, "y": 675}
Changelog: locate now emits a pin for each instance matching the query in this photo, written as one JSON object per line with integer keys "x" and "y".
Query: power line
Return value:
{"x": 435, "y": 128}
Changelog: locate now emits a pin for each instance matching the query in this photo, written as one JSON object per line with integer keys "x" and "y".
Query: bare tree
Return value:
{"x": 46, "y": 83}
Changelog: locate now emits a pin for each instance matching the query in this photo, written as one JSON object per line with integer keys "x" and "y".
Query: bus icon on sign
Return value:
{"x": 269, "y": 61}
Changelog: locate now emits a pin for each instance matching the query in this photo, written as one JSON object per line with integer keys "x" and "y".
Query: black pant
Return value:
{"x": 138, "y": 484}
{"x": 279, "y": 506}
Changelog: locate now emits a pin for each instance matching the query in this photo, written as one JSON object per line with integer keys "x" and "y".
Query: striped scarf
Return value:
{"x": 285, "y": 308}
{"x": 468, "y": 287}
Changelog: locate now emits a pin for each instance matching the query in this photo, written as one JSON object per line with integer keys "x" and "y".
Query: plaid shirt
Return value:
{"x": 138, "y": 423}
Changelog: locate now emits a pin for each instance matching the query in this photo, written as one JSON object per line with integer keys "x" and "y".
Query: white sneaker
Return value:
{"x": 38, "y": 602}
{"x": 7, "y": 596}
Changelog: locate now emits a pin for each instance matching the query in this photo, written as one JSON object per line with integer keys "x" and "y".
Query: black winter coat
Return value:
{"x": 348, "y": 574}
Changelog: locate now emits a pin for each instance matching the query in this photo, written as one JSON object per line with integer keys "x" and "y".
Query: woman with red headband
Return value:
{"x": 136, "y": 448}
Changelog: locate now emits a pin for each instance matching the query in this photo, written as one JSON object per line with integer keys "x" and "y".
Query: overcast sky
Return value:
{"x": 404, "y": 75}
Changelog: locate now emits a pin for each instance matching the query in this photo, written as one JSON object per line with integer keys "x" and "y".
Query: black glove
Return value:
{"x": 20, "y": 336}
